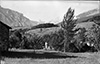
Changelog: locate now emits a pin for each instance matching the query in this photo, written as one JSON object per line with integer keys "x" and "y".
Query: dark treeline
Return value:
{"x": 46, "y": 25}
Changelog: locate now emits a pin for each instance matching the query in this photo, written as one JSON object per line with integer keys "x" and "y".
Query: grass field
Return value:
{"x": 50, "y": 57}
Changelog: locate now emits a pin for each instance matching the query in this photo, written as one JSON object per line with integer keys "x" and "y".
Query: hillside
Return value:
{"x": 83, "y": 21}
{"x": 88, "y": 13}
{"x": 87, "y": 19}
{"x": 17, "y": 20}
{"x": 44, "y": 31}
{"x": 14, "y": 18}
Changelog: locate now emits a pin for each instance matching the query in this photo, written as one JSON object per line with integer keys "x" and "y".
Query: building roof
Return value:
{"x": 5, "y": 25}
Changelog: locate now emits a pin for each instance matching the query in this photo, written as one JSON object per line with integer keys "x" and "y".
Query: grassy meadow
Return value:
{"x": 50, "y": 57}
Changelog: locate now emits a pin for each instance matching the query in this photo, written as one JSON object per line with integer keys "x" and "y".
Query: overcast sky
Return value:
{"x": 49, "y": 11}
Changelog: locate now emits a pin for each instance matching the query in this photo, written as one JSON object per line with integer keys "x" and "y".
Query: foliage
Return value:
{"x": 88, "y": 40}
{"x": 15, "y": 39}
{"x": 93, "y": 36}
{"x": 45, "y": 25}
{"x": 68, "y": 25}
{"x": 55, "y": 39}
{"x": 80, "y": 38}
{"x": 66, "y": 39}
{"x": 26, "y": 41}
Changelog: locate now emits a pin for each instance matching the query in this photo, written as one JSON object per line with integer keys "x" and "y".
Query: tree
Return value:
{"x": 15, "y": 39}
{"x": 56, "y": 40}
{"x": 68, "y": 25}
{"x": 80, "y": 38}
{"x": 93, "y": 36}
{"x": 32, "y": 41}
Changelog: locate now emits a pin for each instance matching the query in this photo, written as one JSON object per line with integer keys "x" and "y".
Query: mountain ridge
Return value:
{"x": 88, "y": 13}
{"x": 15, "y": 19}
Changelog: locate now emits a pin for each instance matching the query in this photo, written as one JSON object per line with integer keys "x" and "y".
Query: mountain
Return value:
{"x": 92, "y": 18}
{"x": 15, "y": 19}
{"x": 91, "y": 14}
{"x": 87, "y": 19}
{"x": 88, "y": 13}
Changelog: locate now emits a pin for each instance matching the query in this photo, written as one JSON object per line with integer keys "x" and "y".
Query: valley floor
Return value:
{"x": 50, "y": 57}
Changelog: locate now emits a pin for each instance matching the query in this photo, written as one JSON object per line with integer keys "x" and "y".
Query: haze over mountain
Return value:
{"x": 15, "y": 19}
{"x": 87, "y": 15}
{"x": 88, "y": 18}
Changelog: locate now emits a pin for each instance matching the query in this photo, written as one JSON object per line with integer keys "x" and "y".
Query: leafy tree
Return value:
{"x": 90, "y": 37}
{"x": 32, "y": 41}
{"x": 93, "y": 36}
{"x": 26, "y": 41}
{"x": 37, "y": 42}
{"x": 80, "y": 38}
{"x": 56, "y": 40}
{"x": 68, "y": 25}
{"x": 15, "y": 39}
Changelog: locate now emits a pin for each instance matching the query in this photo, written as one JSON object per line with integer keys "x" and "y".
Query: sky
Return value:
{"x": 49, "y": 11}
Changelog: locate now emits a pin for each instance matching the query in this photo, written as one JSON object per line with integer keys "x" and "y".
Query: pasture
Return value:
{"x": 49, "y": 57}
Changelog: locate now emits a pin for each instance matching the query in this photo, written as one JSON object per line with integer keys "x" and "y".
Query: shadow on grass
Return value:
{"x": 40, "y": 55}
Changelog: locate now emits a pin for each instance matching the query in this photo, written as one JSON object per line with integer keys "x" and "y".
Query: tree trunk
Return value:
{"x": 66, "y": 40}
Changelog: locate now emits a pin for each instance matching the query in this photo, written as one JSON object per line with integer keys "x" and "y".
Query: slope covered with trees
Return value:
{"x": 69, "y": 36}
